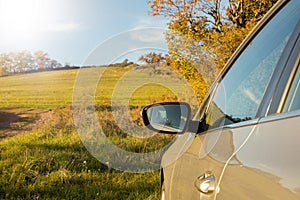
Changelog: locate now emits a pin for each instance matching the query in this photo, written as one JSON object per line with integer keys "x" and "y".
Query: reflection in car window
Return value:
{"x": 239, "y": 94}
{"x": 293, "y": 99}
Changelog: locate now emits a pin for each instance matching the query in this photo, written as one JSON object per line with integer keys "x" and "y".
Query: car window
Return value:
{"x": 239, "y": 93}
{"x": 293, "y": 98}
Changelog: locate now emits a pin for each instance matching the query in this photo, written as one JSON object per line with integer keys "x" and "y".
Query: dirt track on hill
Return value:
{"x": 18, "y": 121}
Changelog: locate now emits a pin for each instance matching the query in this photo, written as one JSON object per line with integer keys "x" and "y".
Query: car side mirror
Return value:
{"x": 167, "y": 117}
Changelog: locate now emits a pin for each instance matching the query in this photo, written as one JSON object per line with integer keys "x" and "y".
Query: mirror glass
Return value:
{"x": 168, "y": 118}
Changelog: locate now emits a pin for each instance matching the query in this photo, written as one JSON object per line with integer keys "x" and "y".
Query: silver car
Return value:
{"x": 244, "y": 142}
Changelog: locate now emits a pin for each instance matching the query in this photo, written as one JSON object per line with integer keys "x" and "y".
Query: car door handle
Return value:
{"x": 205, "y": 183}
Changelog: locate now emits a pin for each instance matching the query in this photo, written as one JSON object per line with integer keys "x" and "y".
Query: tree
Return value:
{"x": 2, "y": 70}
{"x": 202, "y": 33}
{"x": 53, "y": 64}
{"x": 42, "y": 59}
{"x": 245, "y": 12}
{"x": 24, "y": 61}
{"x": 152, "y": 58}
{"x": 192, "y": 13}
{"x": 2, "y": 64}
{"x": 207, "y": 24}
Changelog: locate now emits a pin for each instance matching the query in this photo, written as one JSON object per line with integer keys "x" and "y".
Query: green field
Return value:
{"x": 48, "y": 90}
{"x": 48, "y": 161}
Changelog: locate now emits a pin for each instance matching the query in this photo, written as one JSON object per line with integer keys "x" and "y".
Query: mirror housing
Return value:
{"x": 167, "y": 117}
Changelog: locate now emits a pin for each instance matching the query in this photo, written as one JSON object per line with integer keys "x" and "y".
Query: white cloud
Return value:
{"x": 149, "y": 30}
{"x": 66, "y": 27}
{"x": 144, "y": 22}
{"x": 148, "y": 35}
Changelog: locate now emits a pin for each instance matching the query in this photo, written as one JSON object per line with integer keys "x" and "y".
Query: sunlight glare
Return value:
{"x": 23, "y": 17}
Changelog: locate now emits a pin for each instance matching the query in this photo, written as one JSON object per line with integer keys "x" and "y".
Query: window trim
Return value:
{"x": 282, "y": 87}
{"x": 281, "y": 116}
{"x": 289, "y": 85}
{"x": 270, "y": 101}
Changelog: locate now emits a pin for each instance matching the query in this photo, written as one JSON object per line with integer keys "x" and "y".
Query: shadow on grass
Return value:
{"x": 6, "y": 118}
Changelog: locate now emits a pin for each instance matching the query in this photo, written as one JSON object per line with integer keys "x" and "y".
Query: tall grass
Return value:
{"x": 52, "y": 163}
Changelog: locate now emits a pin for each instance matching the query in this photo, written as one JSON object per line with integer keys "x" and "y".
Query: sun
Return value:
{"x": 22, "y": 17}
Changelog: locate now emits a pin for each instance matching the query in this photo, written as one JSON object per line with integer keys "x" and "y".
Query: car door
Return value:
{"x": 269, "y": 164}
{"x": 231, "y": 113}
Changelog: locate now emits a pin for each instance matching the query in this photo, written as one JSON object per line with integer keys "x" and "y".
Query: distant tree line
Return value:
{"x": 124, "y": 63}
{"x": 25, "y": 61}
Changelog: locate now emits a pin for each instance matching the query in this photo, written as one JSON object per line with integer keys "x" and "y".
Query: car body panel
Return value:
{"x": 206, "y": 152}
{"x": 269, "y": 162}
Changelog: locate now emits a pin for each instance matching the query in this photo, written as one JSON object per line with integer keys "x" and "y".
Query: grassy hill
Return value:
{"x": 44, "y": 157}
{"x": 52, "y": 89}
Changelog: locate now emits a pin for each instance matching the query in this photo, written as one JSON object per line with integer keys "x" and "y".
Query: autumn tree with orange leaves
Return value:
{"x": 214, "y": 25}
{"x": 203, "y": 30}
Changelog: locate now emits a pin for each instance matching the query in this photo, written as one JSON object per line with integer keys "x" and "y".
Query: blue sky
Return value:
{"x": 70, "y": 30}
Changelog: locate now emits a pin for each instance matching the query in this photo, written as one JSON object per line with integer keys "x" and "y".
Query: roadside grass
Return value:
{"x": 51, "y": 162}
